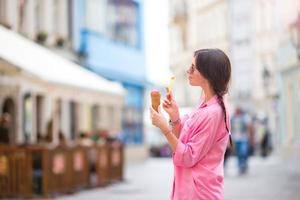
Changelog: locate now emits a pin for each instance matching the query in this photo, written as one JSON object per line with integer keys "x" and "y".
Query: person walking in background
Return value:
{"x": 199, "y": 139}
{"x": 242, "y": 133}
{"x": 266, "y": 141}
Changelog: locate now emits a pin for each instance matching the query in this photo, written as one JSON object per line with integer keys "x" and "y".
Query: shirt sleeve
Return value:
{"x": 187, "y": 154}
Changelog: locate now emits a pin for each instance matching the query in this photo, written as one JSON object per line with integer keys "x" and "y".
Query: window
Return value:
{"x": 39, "y": 114}
{"x": 22, "y": 15}
{"x": 95, "y": 117}
{"x": 179, "y": 9}
{"x": 39, "y": 15}
{"x": 111, "y": 117}
{"x": 70, "y": 19}
{"x": 132, "y": 125}
{"x": 3, "y": 10}
{"x": 116, "y": 19}
{"x": 289, "y": 113}
{"x": 122, "y": 21}
{"x": 73, "y": 119}
{"x": 56, "y": 16}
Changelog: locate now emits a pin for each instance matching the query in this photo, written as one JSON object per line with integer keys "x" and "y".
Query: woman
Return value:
{"x": 199, "y": 140}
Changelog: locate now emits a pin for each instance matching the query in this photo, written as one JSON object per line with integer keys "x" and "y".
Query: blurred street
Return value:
{"x": 267, "y": 179}
{"x": 146, "y": 180}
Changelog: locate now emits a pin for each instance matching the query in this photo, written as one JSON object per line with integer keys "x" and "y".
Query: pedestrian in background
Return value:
{"x": 199, "y": 139}
{"x": 242, "y": 136}
{"x": 266, "y": 142}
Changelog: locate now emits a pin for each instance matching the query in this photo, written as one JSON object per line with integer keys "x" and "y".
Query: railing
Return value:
{"x": 15, "y": 172}
{"x": 116, "y": 161}
{"x": 52, "y": 169}
{"x": 35, "y": 170}
{"x": 80, "y": 168}
{"x": 103, "y": 164}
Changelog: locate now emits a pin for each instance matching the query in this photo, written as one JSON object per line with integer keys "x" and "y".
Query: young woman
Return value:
{"x": 199, "y": 139}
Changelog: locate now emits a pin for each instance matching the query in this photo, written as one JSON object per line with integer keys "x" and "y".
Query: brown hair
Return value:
{"x": 214, "y": 65}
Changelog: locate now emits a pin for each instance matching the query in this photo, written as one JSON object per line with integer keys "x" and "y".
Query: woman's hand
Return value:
{"x": 170, "y": 106}
{"x": 159, "y": 120}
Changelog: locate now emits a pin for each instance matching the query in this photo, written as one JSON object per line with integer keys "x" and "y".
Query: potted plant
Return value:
{"x": 41, "y": 37}
{"x": 60, "y": 41}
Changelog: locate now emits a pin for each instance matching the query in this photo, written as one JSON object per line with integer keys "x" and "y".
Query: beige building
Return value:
{"x": 254, "y": 45}
{"x": 194, "y": 25}
{"x": 256, "y": 36}
{"x": 289, "y": 80}
{"x": 267, "y": 68}
{"x": 39, "y": 88}
{"x": 266, "y": 44}
{"x": 245, "y": 30}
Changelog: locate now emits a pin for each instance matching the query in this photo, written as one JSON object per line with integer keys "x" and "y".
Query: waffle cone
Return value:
{"x": 155, "y": 99}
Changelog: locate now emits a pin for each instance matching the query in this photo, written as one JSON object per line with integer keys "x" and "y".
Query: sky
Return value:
{"x": 157, "y": 41}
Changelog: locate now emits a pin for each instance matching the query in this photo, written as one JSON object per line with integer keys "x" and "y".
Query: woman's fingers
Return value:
{"x": 170, "y": 95}
{"x": 152, "y": 111}
{"x": 167, "y": 101}
{"x": 155, "y": 116}
{"x": 165, "y": 105}
{"x": 152, "y": 115}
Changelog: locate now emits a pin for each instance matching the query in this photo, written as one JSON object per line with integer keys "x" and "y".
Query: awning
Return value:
{"x": 46, "y": 65}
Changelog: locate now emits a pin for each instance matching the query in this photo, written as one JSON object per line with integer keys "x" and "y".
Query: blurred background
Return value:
{"x": 75, "y": 78}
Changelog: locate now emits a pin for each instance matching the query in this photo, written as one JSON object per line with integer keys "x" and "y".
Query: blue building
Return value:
{"x": 108, "y": 36}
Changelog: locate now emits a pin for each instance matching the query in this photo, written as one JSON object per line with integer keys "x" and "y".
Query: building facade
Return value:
{"x": 254, "y": 44}
{"x": 248, "y": 32}
{"x": 289, "y": 80}
{"x": 46, "y": 21}
{"x": 60, "y": 98}
{"x": 109, "y": 35}
{"x": 79, "y": 30}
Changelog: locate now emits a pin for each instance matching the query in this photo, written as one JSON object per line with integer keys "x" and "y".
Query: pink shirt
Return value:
{"x": 199, "y": 155}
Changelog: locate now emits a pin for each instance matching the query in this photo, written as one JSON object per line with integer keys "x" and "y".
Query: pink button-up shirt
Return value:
{"x": 199, "y": 155}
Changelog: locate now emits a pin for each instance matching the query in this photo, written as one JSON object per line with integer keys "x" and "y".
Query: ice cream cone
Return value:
{"x": 155, "y": 99}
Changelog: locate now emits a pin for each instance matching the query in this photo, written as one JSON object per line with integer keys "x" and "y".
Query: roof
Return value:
{"x": 43, "y": 63}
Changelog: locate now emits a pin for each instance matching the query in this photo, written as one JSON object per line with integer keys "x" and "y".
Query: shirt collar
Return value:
{"x": 211, "y": 101}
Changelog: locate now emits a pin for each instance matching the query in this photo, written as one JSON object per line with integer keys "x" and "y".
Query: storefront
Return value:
{"x": 40, "y": 89}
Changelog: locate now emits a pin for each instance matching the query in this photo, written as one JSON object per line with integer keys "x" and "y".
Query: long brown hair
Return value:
{"x": 214, "y": 65}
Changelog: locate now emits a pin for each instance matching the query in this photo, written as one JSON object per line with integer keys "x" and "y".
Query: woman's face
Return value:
{"x": 194, "y": 76}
